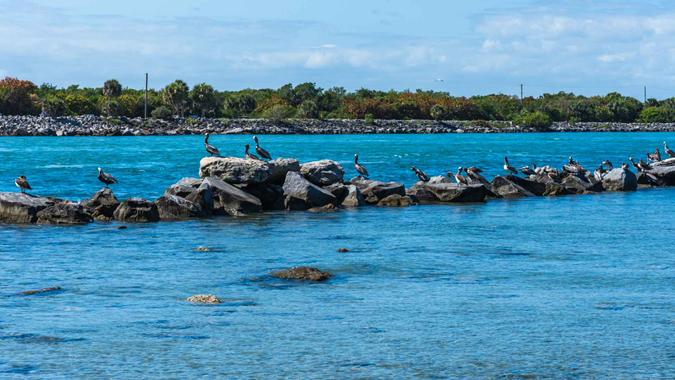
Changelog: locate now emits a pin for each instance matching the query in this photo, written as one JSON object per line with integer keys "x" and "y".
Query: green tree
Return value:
{"x": 659, "y": 114}
{"x": 203, "y": 99}
{"x": 162, "y": 112}
{"x": 308, "y": 110}
{"x": 112, "y": 88}
{"x": 176, "y": 97}
{"x": 18, "y": 97}
{"x": 438, "y": 112}
{"x": 279, "y": 112}
{"x": 54, "y": 106}
{"x": 536, "y": 119}
{"x": 78, "y": 104}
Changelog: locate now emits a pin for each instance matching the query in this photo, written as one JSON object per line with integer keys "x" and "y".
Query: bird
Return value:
{"x": 212, "y": 150}
{"x": 609, "y": 165}
{"x": 572, "y": 161}
{"x": 599, "y": 173}
{"x": 644, "y": 165}
{"x": 635, "y": 164}
{"x": 508, "y": 166}
{"x": 624, "y": 167}
{"x": 250, "y": 156}
{"x": 656, "y": 156}
{"x": 360, "y": 168}
{"x": 527, "y": 171}
{"x": 106, "y": 178}
{"x": 669, "y": 152}
{"x": 262, "y": 152}
{"x": 473, "y": 170}
{"x": 22, "y": 184}
{"x": 461, "y": 180}
{"x": 474, "y": 176}
{"x": 420, "y": 174}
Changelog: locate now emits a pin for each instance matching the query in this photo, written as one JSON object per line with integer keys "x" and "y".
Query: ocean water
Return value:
{"x": 565, "y": 287}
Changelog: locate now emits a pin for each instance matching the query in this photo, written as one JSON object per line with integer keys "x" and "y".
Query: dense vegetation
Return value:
{"x": 306, "y": 100}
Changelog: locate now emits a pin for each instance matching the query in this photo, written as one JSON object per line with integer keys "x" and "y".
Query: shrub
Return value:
{"x": 16, "y": 97}
{"x": 111, "y": 108}
{"x": 308, "y": 110}
{"x": 279, "y": 112}
{"x": 55, "y": 106}
{"x": 536, "y": 119}
{"x": 369, "y": 119}
{"x": 658, "y": 114}
{"x": 162, "y": 112}
{"x": 438, "y": 112}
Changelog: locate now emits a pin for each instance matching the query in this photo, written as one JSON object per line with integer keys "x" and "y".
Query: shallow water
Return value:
{"x": 567, "y": 287}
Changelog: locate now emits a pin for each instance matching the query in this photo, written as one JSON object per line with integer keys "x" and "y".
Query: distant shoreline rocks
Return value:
{"x": 90, "y": 125}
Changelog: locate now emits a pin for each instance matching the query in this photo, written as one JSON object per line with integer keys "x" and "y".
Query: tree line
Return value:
{"x": 306, "y": 100}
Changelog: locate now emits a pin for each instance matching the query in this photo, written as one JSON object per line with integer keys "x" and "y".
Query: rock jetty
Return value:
{"x": 235, "y": 187}
{"x": 90, "y": 125}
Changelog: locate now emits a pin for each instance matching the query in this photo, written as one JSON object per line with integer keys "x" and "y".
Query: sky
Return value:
{"x": 461, "y": 47}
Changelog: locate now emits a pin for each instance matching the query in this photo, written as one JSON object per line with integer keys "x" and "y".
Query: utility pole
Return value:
{"x": 645, "y": 94}
{"x": 521, "y": 94}
{"x": 145, "y": 103}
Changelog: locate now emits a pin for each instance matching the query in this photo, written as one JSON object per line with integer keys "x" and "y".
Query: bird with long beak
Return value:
{"x": 22, "y": 184}
{"x": 210, "y": 149}
{"x": 262, "y": 152}
{"x": 360, "y": 168}
{"x": 422, "y": 176}
{"x": 508, "y": 167}
{"x": 461, "y": 180}
{"x": 106, "y": 178}
{"x": 249, "y": 156}
{"x": 669, "y": 152}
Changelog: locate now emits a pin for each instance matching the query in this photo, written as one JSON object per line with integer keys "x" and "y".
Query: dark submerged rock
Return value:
{"x": 207, "y": 299}
{"x": 137, "y": 210}
{"x": 396, "y": 200}
{"x": 302, "y": 274}
{"x": 300, "y": 194}
{"x": 41, "y": 291}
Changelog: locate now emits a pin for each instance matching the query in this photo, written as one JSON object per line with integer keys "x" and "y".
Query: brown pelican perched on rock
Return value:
{"x": 106, "y": 178}
{"x": 669, "y": 152}
{"x": 656, "y": 156}
{"x": 262, "y": 152}
{"x": 527, "y": 170}
{"x": 22, "y": 184}
{"x": 212, "y": 150}
{"x": 360, "y": 168}
{"x": 508, "y": 167}
{"x": 599, "y": 173}
{"x": 474, "y": 176}
{"x": 624, "y": 167}
{"x": 461, "y": 180}
{"x": 571, "y": 161}
{"x": 420, "y": 174}
{"x": 609, "y": 165}
{"x": 249, "y": 156}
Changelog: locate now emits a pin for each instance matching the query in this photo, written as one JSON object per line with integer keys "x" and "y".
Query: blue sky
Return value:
{"x": 474, "y": 47}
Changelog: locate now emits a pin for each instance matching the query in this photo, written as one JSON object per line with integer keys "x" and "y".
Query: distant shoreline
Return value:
{"x": 89, "y": 125}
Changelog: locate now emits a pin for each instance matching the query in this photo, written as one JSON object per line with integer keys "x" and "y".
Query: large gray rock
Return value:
{"x": 338, "y": 190}
{"x": 375, "y": 191}
{"x": 279, "y": 167}
{"x": 271, "y": 195}
{"x": 184, "y": 187}
{"x": 231, "y": 200}
{"x": 67, "y": 213}
{"x": 664, "y": 174}
{"x": 322, "y": 173}
{"x": 396, "y": 200}
{"x": 354, "y": 197}
{"x": 300, "y": 194}
{"x": 137, "y": 210}
{"x": 439, "y": 179}
{"x": 21, "y": 208}
{"x": 580, "y": 185}
{"x": 102, "y": 205}
{"x": 620, "y": 180}
{"x": 192, "y": 190}
{"x": 448, "y": 192}
{"x": 173, "y": 207}
{"x": 507, "y": 188}
{"x": 234, "y": 169}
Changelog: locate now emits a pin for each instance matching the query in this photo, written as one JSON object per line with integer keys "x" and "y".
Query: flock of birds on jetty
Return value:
{"x": 473, "y": 174}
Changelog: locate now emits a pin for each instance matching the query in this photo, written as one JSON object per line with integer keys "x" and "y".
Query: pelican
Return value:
{"x": 644, "y": 165}
{"x": 624, "y": 167}
{"x": 669, "y": 152}
{"x": 527, "y": 171}
{"x": 599, "y": 173}
{"x": 656, "y": 156}
{"x": 461, "y": 180}
{"x": 360, "y": 168}
{"x": 262, "y": 152}
{"x": 250, "y": 156}
{"x": 474, "y": 176}
{"x": 22, "y": 184}
{"x": 572, "y": 161}
{"x": 508, "y": 167}
{"x": 609, "y": 165}
{"x": 212, "y": 150}
{"x": 420, "y": 174}
{"x": 106, "y": 178}
{"x": 635, "y": 164}
{"x": 473, "y": 170}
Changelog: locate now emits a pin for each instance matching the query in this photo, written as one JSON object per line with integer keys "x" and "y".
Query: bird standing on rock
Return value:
{"x": 106, "y": 178}
{"x": 527, "y": 171}
{"x": 262, "y": 152}
{"x": 250, "y": 156}
{"x": 669, "y": 152}
{"x": 22, "y": 184}
{"x": 360, "y": 168}
{"x": 508, "y": 167}
{"x": 461, "y": 180}
{"x": 212, "y": 150}
{"x": 420, "y": 174}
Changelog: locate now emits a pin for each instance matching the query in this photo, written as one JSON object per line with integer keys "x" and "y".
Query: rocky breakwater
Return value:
{"x": 90, "y": 125}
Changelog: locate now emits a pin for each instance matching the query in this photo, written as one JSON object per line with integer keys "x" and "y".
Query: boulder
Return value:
{"x": 234, "y": 169}
{"x": 173, "y": 207}
{"x": 302, "y": 274}
{"x": 505, "y": 187}
{"x": 22, "y": 208}
{"x": 664, "y": 174}
{"x": 354, "y": 197}
{"x": 448, "y": 192}
{"x": 67, "y": 213}
{"x": 192, "y": 190}
{"x": 374, "y": 191}
{"x": 137, "y": 210}
{"x": 208, "y": 299}
{"x": 102, "y": 205}
{"x": 396, "y": 200}
{"x": 184, "y": 187}
{"x": 620, "y": 180}
{"x": 580, "y": 185}
{"x": 533, "y": 187}
{"x": 439, "y": 179}
{"x": 300, "y": 194}
{"x": 555, "y": 189}
{"x": 271, "y": 195}
{"x": 322, "y": 173}
{"x": 338, "y": 190}
{"x": 231, "y": 200}
{"x": 32, "y": 292}
{"x": 279, "y": 167}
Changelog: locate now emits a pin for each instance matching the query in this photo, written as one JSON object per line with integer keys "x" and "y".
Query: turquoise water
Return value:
{"x": 568, "y": 287}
